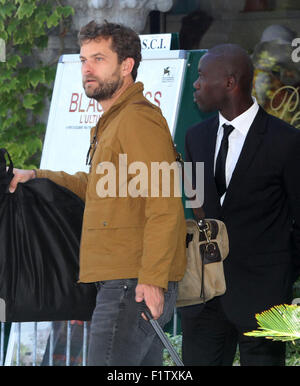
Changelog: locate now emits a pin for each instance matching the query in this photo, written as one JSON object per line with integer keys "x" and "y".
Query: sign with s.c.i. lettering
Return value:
{"x": 156, "y": 42}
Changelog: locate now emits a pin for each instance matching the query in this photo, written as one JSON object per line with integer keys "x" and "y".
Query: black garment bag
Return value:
{"x": 40, "y": 229}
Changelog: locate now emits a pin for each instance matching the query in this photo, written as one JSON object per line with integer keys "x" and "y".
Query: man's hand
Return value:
{"x": 153, "y": 297}
{"x": 20, "y": 176}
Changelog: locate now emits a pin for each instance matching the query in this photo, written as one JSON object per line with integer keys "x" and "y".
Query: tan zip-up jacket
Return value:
{"x": 129, "y": 237}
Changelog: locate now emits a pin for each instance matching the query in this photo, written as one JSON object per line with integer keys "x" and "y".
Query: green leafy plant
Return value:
{"x": 281, "y": 322}
{"x": 176, "y": 341}
{"x": 26, "y": 82}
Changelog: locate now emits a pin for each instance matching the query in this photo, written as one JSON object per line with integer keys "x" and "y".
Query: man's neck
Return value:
{"x": 106, "y": 104}
{"x": 233, "y": 110}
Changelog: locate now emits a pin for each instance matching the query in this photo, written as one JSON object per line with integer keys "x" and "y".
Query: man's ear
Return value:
{"x": 231, "y": 82}
{"x": 127, "y": 66}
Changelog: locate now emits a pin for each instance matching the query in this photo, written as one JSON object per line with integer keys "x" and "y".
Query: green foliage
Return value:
{"x": 279, "y": 323}
{"x": 293, "y": 354}
{"x": 25, "y": 81}
{"x": 176, "y": 342}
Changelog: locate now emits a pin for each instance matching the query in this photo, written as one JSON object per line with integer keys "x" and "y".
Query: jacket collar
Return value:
{"x": 133, "y": 90}
{"x": 128, "y": 94}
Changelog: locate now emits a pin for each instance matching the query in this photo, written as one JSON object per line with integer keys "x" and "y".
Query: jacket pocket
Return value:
{"x": 112, "y": 237}
{"x": 114, "y": 213}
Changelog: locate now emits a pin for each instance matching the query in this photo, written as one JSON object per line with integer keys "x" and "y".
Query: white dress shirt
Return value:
{"x": 236, "y": 139}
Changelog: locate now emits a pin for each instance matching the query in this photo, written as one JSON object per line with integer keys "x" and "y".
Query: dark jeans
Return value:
{"x": 119, "y": 335}
{"x": 210, "y": 339}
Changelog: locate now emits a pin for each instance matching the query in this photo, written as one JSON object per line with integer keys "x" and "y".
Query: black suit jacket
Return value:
{"x": 261, "y": 211}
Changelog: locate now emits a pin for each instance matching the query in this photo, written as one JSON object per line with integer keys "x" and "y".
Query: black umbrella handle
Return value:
{"x": 146, "y": 311}
{"x": 160, "y": 333}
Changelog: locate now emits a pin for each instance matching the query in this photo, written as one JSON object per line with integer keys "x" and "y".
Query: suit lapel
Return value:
{"x": 250, "y": 147}
{"x": 211, "y": 193}
{"x": 212, "y": 131}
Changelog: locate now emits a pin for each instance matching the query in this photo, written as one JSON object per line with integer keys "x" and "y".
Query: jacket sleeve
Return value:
{"x": 145, "y": 138}
{"x": 77, "y": 182}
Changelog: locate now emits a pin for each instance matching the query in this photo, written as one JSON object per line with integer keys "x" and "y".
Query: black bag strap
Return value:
{"x": 160, "y": 333}
{"x": 198, "y": 212}
{"x": 6, "y": 170}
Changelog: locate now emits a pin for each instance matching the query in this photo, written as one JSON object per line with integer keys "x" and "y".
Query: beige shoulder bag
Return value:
{"x": 207, "y": 246}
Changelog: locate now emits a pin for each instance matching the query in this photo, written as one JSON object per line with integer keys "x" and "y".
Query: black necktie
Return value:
{"x": 221, "y": 161}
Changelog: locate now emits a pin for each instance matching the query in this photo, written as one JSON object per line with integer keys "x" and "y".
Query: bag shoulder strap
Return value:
{"x": 198, "y": 212}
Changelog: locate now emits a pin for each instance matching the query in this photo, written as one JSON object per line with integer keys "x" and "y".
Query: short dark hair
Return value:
{"x": 237, "y": 61}
{"x": 124, "y": 41}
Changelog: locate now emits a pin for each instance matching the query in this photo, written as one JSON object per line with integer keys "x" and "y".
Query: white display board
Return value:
{"x": 72, "y": 114}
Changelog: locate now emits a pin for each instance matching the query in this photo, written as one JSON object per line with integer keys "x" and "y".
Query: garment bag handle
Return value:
{"x": 6, "y": 170}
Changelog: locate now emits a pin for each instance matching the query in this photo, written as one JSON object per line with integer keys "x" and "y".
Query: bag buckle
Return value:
{"x": 205, "y": 228}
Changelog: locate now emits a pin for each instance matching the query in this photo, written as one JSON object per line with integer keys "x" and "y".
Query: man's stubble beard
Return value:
{"x": 105, "y": 90}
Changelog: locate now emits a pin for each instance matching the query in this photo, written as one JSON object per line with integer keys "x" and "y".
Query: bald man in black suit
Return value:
{"x": 252, "y": 183}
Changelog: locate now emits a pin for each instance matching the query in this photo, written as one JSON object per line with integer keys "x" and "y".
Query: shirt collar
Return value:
{"x": 242, "y": 122}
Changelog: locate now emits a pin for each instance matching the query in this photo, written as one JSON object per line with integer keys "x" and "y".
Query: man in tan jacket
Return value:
{"x": 133, "y": 237}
